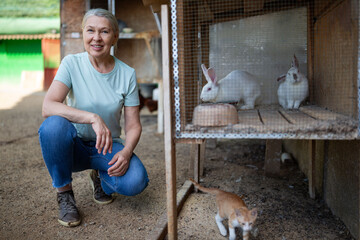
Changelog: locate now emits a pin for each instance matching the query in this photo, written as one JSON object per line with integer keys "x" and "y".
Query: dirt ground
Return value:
{"x": 28, "y": 208}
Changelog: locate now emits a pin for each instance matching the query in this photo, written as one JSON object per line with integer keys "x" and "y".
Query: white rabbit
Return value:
{"x": 294, "y": 89}
{"x": 236, "y": 86}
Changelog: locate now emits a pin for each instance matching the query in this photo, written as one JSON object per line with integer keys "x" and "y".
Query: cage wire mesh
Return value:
{"x": 265, "y": 69}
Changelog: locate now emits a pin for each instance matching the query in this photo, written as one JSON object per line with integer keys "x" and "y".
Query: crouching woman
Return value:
{"x": 85, "y": 133}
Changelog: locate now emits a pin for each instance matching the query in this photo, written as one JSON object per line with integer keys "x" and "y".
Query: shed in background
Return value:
{"x": 29, "y": 52}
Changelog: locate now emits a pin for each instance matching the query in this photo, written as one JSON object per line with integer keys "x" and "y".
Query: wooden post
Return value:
{"x": 312, "y": 168}
{"x": 272, "y": 157}
{"x": 197, "y": 156}
{"x": 202, "y": 158}
{"x": 160, "y": 116}
{"x": 170, "y": 161}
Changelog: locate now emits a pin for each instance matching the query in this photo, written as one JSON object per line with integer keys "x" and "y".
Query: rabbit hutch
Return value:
{"x": 260, "y": 69}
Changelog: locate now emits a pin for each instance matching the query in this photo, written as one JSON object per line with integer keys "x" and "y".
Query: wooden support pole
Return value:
{"x": 170, "y": 161}
{"x": 160, "y": 115}
{"x": 272, "y": 157}
{"x": 197, "y": 156}
{"x": 312, "y": 168}
{"x": 194, "y": 161}
{"x": 202, "y": 158}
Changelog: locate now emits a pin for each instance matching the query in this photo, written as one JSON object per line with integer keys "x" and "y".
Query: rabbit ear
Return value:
{"x": 209, "y": 74}
{"x": 295, "y": 62}
{"x": 282, "y": 77}
{"x": 212, "y": 74}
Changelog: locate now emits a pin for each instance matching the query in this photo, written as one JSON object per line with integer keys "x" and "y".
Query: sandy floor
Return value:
{"x": 28, "y": 208}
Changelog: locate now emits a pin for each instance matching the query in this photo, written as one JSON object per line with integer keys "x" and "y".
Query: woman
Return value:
{"x": 85, "y": 133}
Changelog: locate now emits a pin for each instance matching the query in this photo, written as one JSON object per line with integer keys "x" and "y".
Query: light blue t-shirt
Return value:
{"x": 102, "y": 93}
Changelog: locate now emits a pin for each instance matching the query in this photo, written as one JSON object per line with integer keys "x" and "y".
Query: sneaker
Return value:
{"x": 68, "y": 213}
{"x": 99, "y": 195}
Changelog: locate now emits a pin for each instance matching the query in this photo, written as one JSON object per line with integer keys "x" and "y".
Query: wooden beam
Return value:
{"x": 272, "y": 157}
{"x": 197, "y": 156}
{"x": 310, "y": 49}
{"x": 170, "y": 156}
{"x": 160, "y": 115}
{"x": 321, "y": 113}
{"x": 190, "y": 140}
{"x": 158, "y": 2}
{"x": 251, "y": 5}
{"x": 312, "y": 168}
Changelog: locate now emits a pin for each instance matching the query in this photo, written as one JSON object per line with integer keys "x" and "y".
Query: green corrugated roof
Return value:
{"x": 29, "y": 8}
{"x": 29, "y": 25}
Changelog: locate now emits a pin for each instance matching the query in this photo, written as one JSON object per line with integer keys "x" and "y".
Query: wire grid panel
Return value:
{"x": 288, "y": 68}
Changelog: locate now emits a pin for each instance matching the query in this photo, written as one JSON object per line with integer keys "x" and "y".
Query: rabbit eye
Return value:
{"x": 209, "y": 89}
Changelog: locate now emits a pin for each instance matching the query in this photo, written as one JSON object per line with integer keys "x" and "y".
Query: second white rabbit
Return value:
{"x": 294, "y": 89}
{"x": 236, "y": 86}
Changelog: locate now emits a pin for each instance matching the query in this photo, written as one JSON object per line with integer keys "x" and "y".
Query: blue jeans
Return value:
{"x": 64, "y": 153}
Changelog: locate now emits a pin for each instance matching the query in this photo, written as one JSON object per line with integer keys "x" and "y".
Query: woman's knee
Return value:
{"x": 132, "y": 183}
{"x": 136, "y": 185}
{"x": 57, "y": 127}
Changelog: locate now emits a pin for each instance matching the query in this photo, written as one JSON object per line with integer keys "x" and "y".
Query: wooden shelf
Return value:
{"x": 308, "y": 122}
{"x": 147, "y": 35}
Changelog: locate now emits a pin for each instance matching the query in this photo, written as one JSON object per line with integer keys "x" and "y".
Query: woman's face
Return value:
{"x": 98, "y": 37}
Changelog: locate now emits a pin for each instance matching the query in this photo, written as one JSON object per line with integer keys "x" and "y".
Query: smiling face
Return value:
{"x": 98, "y": 37}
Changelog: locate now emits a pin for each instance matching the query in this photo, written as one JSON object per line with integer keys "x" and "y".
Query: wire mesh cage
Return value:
{"x": 265, "y": 69}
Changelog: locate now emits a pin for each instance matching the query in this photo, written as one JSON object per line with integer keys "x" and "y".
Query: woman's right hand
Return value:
{"x": 54, "y": 105}
{"x": 103, "y": 135}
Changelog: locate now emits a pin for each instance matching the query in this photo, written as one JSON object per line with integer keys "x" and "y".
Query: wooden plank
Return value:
{"x": 204, "y": 12}
{"x": 270, "y": 118}
{"x": 249, "y": 117}
{"x": 238, "y": 11}
{"x": 194, "y": 161}
{"x": 274, "y": 121}
{"x": 159, "y": 231}
{"x": 312, "y": 168}
{"x": 335, "y": 59}
{"x": 187, "y": 42}
{"x": 297, "y": 117}
{"x": 319, "y": 166}
{"x": 181, "y": 42}
{"x": 190, "y": 140}
{"x": 170, "y": 156}
{"x": 218, "y": 6}
{"x": 202, "y": 159}
{"x": 272, "y": 157}
{"x": 320, "y": 113}
{"x": 160, "y": 112}
{"x": 251, "y": 5}
{"x": 310, "y": 47}
{"x": 197, "y": 156}
{"x": 158, "y": 2}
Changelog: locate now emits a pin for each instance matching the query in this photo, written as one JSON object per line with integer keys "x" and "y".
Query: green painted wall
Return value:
{"x": 17, "y": 56}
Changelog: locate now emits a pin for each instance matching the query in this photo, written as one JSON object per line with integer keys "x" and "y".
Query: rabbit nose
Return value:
{"x": 295, "y": 77}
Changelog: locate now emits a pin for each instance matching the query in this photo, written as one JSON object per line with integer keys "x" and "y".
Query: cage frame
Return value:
{"x": 200, "y": 133}
{"x": 173, "y": 135}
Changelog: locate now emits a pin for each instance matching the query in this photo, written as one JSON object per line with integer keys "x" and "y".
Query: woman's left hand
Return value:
{"x": 120, "y": 164}
{"x": 120, "y": 161}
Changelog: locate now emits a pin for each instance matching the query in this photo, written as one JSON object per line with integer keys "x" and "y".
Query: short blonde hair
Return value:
{"x": 99, "y": 12}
